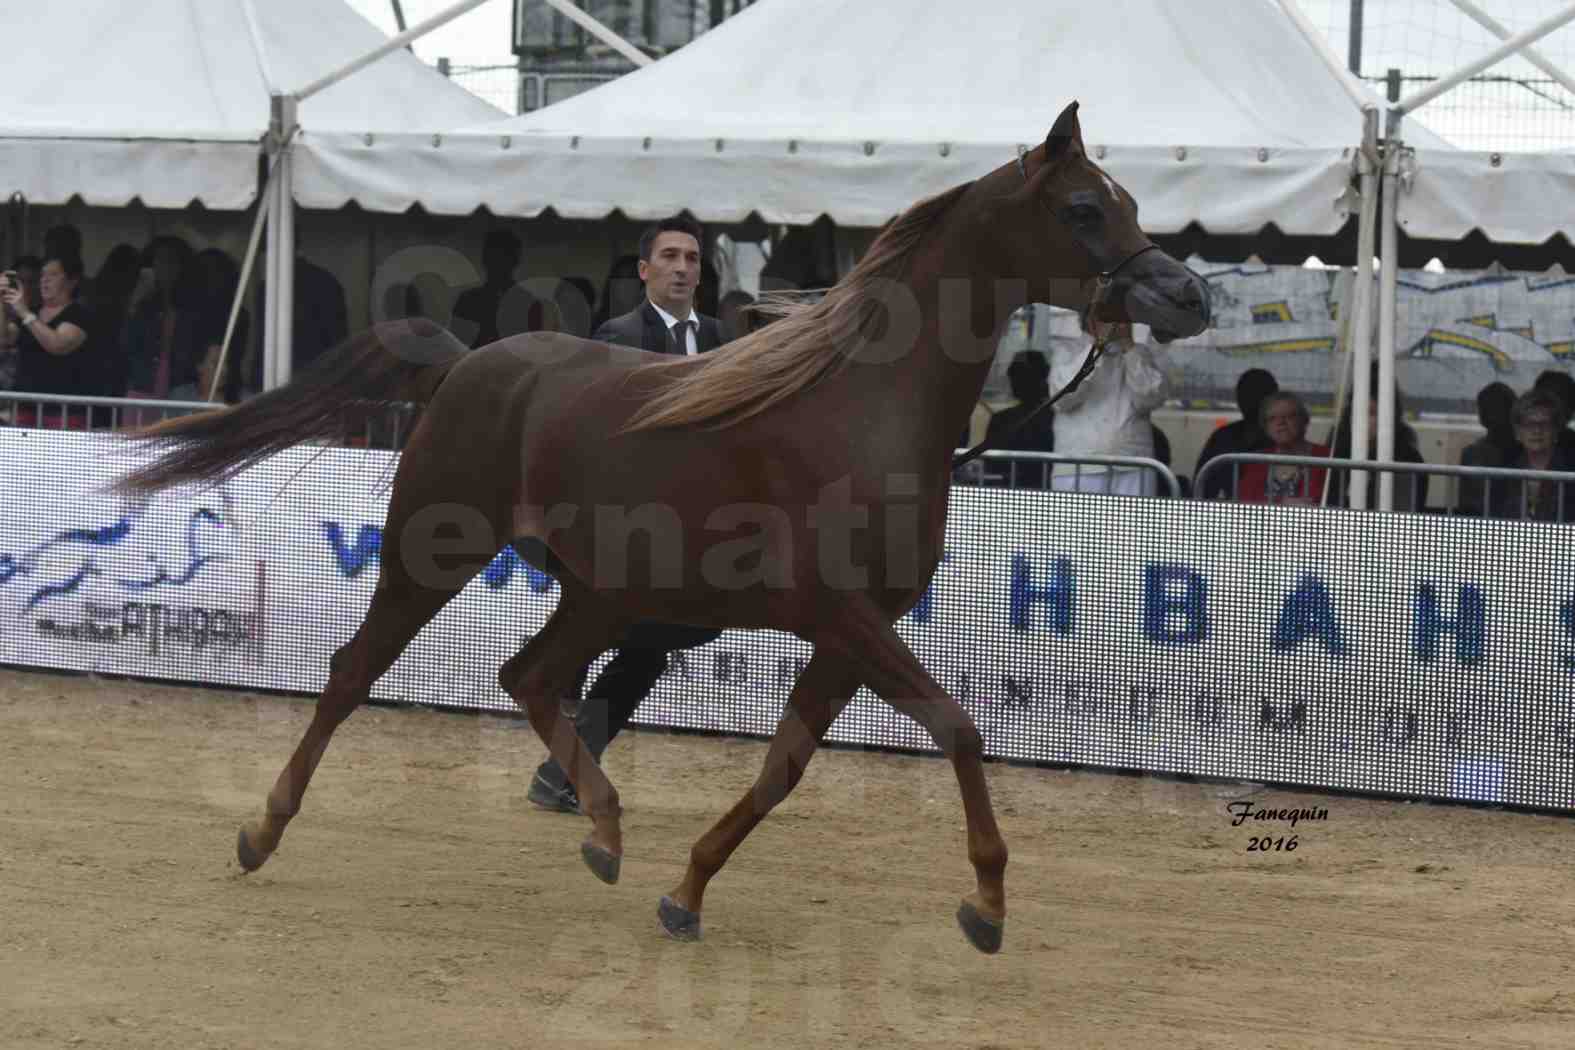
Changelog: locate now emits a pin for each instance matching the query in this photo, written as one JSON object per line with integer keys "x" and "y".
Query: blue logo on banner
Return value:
{"x": 88, "y": 541}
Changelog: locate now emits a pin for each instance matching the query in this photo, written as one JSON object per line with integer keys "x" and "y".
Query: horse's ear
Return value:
{"x": 1066, "y": 137}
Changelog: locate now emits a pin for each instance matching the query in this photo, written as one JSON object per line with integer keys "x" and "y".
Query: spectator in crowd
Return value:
{"x": 735, "y": 315}
{"x": 215, "y": 279}
{"x": 1283, "y": 416}
{"x": 1495, "y": 406}
{"x": 622, "y": 291}
{"x": 1561, "y": 385}
{"x": 56, "y": 352}
{"x": 1029, "y": 378}
{"x": 665, "y": 323}
{"x": 499, "y": 307}
{"x": 24, "y": 275}
{"x": 1108, "y": 413}
{"x": 1410, "y": 490}
{"x": 113, "y": 288}
{"x": 1244, "y": 435}
{"x": 162, "y": 342}
{"x": 321, "y": 319}
{"x": 575, "y": 298}
{"x": 1538, "y": 417}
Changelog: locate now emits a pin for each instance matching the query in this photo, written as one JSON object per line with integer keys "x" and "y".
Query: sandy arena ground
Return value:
{"x": 420, "y": 902}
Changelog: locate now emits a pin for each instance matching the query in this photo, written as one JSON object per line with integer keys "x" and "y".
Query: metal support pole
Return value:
{"x": 278, "y": 309}
{"x": 1368, "y": 163}
{"x": 392, "y": 44}
{"x": 1530, "y": 54}
{"x": 1387, "y": 289}
{"x": 1412, "y": 103}
{"x": 1354, "y": 50}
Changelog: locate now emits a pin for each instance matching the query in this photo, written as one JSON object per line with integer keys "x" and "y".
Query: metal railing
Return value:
{"x": 19, "y": 408}
{"x": 1513, "y": 499}
{"x": 1113, "y": 476}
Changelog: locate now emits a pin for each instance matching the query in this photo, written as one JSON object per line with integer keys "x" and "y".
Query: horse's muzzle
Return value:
{"x": 1168, "y": 297}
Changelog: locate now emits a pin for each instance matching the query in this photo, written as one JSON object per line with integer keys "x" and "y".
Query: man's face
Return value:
{"x": 672, "y": 273}
{"x": 1537, "y": 431}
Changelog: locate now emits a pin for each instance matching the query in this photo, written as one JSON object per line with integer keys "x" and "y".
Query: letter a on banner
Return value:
{"x": 1308, "y": 612}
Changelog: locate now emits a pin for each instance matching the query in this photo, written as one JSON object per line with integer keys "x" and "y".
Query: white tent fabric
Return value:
{"x": 167, "y": 101}
{"x": 1513, "y": 198}
{"x": 1216, "y": 112}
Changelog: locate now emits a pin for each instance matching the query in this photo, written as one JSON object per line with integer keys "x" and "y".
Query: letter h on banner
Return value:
{"x": 1469, "y": 624}
{"x": 1058, "y": 596}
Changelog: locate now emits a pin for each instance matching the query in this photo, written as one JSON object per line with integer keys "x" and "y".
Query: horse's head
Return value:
{"x": 1074, "y": 222}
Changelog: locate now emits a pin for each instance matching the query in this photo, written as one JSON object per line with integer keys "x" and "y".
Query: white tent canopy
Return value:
{"x": 167, "y": 101}
{"x": 1217, "y": 112}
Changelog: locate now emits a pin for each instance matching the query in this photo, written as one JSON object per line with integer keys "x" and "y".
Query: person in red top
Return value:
{"x": 1284, "y": 418}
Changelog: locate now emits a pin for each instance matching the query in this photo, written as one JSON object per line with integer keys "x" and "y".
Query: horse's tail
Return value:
{"x": 394, "y": 362}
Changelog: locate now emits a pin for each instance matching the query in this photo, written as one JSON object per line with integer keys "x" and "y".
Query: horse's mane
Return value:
{"x": 804, "y": 344}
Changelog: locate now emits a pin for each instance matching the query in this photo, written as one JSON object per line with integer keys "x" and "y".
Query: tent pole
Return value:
{"x": 281, "y": 248}
{"x": 1388, "y": 283}
{"x": 1321, "y": 47}
{"x": 601, "y": 32}
{"x": 1530, "y": 54}
{"x": 388, "y": 46}
{"x": 1367, "y": 165}
{"x": 1416, "y": 100}
{"x": 263, "y": 203}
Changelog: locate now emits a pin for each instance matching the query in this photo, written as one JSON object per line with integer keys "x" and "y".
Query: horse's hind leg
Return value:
{"x": 864, "y": 636}
{"x": 821, "y": 692}
{"x": 390, "y": 624}
{"x": 418, "y": 573}
{"x": 538, "y": 678}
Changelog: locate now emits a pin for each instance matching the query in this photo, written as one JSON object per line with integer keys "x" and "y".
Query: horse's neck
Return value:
{"x": 963, "y": 310}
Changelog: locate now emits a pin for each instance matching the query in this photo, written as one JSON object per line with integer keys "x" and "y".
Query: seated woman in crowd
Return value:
{"x": 1539, "y": 419}
{"x": 1284, "y": 417}
{"x": 56, "y": 353}
{"x": 1410, "y": 490}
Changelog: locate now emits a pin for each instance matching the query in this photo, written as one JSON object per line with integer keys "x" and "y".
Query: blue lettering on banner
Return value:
{"x": 1469, "y": 624}
{"x": 1058, "y": 596}
{"x": 25, "y": 565}
{"x": 1175, "y": 592}
{"x": 1308, "y": 612}
{"x": 368, "y": 547}
{"x": 1567, "y": 620}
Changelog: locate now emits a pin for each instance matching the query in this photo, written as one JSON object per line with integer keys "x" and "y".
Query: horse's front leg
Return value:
{"x": 821, "y": 692}
{"x": 538, "y": 678}
{"x": 866, "y": 639}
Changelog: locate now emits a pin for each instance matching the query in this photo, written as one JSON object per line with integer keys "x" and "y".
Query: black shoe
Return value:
{"x": 560, "y": 798}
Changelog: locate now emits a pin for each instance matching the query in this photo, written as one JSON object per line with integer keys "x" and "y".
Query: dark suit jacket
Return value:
{"x": 644, "y": 329}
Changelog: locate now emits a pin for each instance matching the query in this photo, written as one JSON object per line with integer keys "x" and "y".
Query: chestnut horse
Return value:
{"x": 796, "y": 480}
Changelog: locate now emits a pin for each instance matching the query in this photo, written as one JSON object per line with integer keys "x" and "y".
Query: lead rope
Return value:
{"x": 1101, "y": 338}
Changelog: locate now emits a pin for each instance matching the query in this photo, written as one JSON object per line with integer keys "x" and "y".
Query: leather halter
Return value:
{"x": 1091, "y": 323}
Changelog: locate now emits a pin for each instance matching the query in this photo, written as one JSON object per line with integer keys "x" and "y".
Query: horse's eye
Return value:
{"x": 1083, "y": 215}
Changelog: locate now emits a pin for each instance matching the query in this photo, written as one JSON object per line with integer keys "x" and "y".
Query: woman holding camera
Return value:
{"x": 53, "y": 343}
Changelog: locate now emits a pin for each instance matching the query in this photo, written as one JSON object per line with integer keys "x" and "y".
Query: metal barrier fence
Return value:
{"x": 19, "y": 408}
{"x": 1473, "y": 495}
{"x": 1103, "y": 475}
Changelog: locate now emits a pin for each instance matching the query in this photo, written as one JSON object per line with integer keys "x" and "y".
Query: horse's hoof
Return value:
{"x": 603, "y": 864}
{"x": 984, "y": 934}
{"x": 249, "y": 858}
{"x": 679, "y": 922}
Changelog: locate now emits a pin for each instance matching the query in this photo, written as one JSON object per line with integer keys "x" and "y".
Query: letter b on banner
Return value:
{"x": 1175, "y": 604}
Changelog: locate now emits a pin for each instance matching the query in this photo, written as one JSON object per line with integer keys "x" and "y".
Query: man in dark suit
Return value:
{"x": 665, "y": 322}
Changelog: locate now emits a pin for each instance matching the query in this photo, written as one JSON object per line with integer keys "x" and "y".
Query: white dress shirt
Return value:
{"x": 691, "y": 346}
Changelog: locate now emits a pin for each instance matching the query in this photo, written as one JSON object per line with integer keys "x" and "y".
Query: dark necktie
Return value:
{"x": 678, "y": 337}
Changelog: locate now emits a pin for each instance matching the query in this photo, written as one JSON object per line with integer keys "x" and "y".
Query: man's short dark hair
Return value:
{"x": 671, "y": 224}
